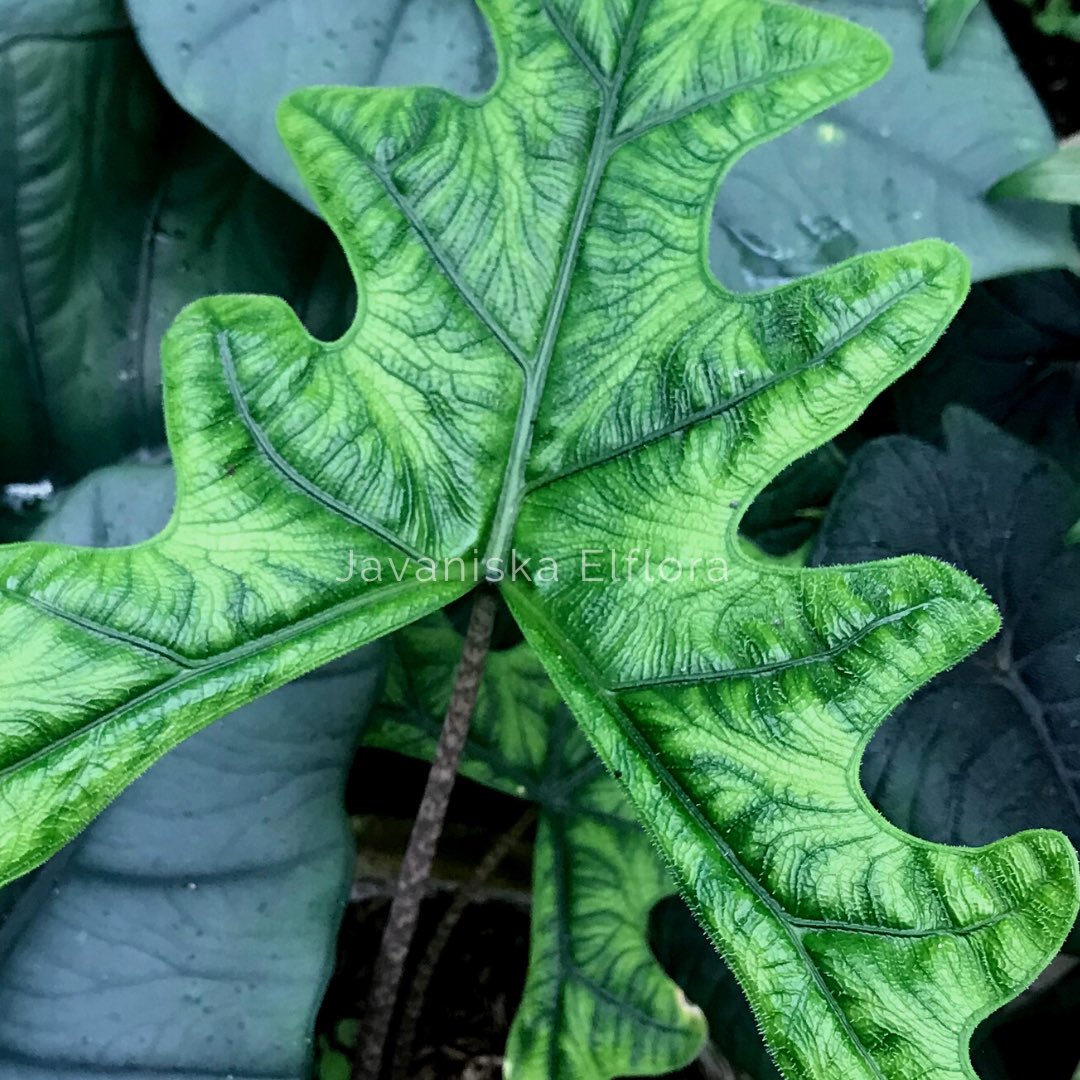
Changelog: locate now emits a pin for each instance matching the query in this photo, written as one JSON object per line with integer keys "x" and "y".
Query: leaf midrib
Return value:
{"x": 513, "y": 487}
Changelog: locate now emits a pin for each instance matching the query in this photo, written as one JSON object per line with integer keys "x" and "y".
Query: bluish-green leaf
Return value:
{"x": 910, "y": 158}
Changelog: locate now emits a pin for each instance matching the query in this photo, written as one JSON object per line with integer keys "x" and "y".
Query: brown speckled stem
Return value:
{"x": 416, "y": 866}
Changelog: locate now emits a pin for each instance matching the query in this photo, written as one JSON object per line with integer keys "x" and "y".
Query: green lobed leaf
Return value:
{"x": 542, "y": 360}
{"x": 190, "y": 931}
{"x": 992, "y": 746}
{"x": 118, "y": 216}
{"x": 911, "y": 158}
{"x": 596, "y": 1003}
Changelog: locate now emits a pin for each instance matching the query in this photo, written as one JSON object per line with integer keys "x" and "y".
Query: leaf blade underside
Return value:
{"x": 541, "y": 359}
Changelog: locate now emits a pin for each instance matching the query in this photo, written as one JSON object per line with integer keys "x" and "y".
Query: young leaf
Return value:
{"x": 541, "y": 361}
{"x": 1055, "y": 178}
{"x": 596, "y": 1003}
{"x": 991, "y": 746}
{"x": 945, "y": 20}
{"x": 190, "y": 931}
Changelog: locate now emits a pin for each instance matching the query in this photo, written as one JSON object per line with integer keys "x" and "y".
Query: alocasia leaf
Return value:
{"x": 596, "y": 1003}
{"x": 190, "y": 931}
{"x": 1012, "y": 354}
{"x": 115, "y": 216}
{"x": 993, "y": 745}
{"x": 912, "y": 158}
{"x": 542, "y": 367}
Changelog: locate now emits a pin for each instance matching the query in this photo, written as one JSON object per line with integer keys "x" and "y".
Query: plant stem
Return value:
{"x": 420, "y": 854}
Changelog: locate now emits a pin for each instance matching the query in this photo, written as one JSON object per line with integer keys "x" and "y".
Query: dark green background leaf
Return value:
{"x": 688, "y": 956}
{"x": 117, "y": 210}
{"x": 190, "y": 930}
{"x": 992, "y": 746}
{"x": 595, "y": 1003}
{"x": 1013, "y": 355}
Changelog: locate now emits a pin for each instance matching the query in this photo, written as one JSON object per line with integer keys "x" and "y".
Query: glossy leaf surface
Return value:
{"x": 911, "y": 158}
{"x": 542, "y": 361}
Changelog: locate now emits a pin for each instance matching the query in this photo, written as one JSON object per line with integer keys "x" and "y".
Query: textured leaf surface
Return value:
{"x": 993, "y": 745}
{"x": 910, "y": 159}
{"x": 596, "y": 1003}
{"x": 114, "y": 217}
{"x": 190, "y": 931}
{"x": 541, "y": 358}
